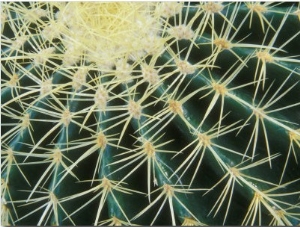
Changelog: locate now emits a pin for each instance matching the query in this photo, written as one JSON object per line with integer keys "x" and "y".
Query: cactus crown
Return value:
{"x": 152, "y": 113}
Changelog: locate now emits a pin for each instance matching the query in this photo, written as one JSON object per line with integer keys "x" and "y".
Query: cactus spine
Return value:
{"x": 150, "y": 113}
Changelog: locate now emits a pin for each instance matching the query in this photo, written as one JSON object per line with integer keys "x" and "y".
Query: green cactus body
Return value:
{"x": 150, "y": 113}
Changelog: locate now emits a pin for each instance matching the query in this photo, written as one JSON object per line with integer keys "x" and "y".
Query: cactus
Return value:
{"x": 149, "y": 113}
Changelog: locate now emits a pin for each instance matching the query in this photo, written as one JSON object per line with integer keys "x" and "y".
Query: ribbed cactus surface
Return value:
{"x": 150, "y": 113}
